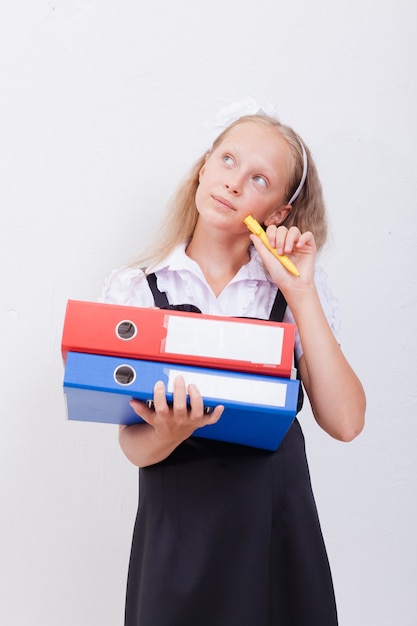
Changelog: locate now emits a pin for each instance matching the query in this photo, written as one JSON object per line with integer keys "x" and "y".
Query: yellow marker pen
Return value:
{"x": 257, "y": 229}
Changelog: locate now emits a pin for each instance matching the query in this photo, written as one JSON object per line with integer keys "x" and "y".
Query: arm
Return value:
{"x": 335, "y": 393}
{"x": 165, "y": 427}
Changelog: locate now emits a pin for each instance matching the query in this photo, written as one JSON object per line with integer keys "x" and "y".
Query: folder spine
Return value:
{"x": 254, "y": 346}
{"x": 99, "y": 389}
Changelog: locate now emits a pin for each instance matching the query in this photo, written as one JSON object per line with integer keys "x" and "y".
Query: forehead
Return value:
{"x": 258, "y": 139}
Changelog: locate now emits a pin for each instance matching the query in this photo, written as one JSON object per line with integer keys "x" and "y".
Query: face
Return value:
{"x": 246, "y": 174}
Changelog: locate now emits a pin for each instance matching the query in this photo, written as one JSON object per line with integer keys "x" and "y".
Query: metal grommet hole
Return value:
{"x": 124, "y": 375}
{"x": 126, "y": 330}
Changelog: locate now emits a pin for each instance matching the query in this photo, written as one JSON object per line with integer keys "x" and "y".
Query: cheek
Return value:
{"x": 199, "y": 194}
{"x": 261, "y": 201}
{"x": 264, "y": 210}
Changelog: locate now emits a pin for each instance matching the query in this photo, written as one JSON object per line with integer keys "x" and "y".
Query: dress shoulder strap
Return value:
{"x": 277, "y": 315}
{"x": 278, "y": 308}
{"x": 161, "y": 301}
{"x": 161, "y": 298}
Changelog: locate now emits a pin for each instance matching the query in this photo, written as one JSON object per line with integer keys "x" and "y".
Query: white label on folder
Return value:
{"x": 253, "y": 343}
{"x": 237, "y": 389}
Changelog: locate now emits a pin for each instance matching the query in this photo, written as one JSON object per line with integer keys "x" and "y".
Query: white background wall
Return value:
{"x": 104, "y": 105}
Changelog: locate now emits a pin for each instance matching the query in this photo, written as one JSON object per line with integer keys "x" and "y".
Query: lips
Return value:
{"x": 222, "y": 201}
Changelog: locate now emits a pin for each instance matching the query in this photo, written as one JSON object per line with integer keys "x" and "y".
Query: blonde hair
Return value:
{"x": 308, "y": 209}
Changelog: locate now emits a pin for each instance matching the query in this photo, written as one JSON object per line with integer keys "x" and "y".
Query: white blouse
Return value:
{"x": 250, "y": 293}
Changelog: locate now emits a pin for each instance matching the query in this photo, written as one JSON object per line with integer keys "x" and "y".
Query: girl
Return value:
{"x": 228, "y": 535}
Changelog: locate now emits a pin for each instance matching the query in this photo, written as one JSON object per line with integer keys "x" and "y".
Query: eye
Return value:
{"x": 260, "y": 180}
{"x": 228, "y": 160}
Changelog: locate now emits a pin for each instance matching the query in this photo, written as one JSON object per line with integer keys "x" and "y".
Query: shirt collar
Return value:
{"x": 178, "y": 260}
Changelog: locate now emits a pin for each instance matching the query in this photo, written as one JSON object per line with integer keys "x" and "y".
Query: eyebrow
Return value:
{"x": 233, "y": 148}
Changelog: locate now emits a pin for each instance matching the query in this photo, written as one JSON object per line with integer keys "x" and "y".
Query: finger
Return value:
{"x": 141, "y": 409}
{"x": 215, "y": 415}
{"x": 196, "y": 401}
{"x": 271, "y": 232}
{"x": 267, "y": 257}
{"x": 180, "y": 395}
{"x": 160, "y": 399}
{"x": 278, "y": 238}
{"x": 306, "y": 239}
{"x": 286, "y": 238}
{"x": 293, "y": 236}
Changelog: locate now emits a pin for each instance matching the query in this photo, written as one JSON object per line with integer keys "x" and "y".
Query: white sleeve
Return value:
{"x": 127, "y": 286}
{"x": 329, "y": 303}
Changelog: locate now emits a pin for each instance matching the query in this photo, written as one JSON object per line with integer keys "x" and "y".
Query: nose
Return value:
{"x": 233, "y": 186}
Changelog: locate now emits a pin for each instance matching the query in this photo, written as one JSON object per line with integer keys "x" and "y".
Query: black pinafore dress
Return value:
{"x": 228, "y": 535}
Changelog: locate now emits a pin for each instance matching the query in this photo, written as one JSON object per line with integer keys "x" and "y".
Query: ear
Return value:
{"x": 278, "y": 216}
{"x": 203, "y": 167}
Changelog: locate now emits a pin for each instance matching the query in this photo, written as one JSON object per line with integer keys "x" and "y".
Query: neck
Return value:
{"x": 219, "y": 257}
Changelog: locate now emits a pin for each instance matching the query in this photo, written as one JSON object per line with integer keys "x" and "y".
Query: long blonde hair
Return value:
{"x": 308, "y": 210}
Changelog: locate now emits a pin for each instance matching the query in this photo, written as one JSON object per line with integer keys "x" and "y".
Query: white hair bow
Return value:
{"x": 247, "y": 106}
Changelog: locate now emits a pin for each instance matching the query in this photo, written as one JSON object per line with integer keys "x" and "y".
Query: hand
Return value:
{"x": 299, "y": 247}
{"x": 177, "y": 422}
